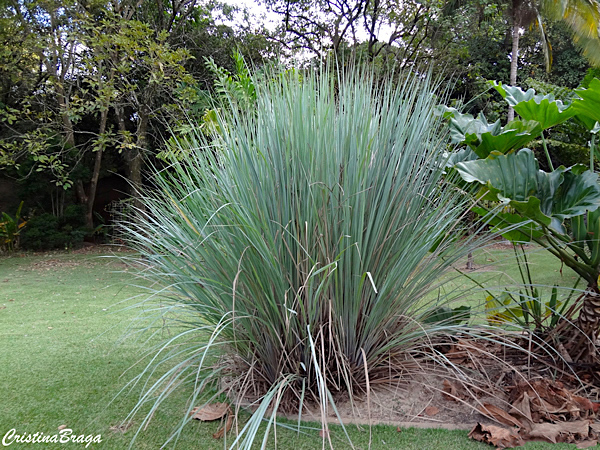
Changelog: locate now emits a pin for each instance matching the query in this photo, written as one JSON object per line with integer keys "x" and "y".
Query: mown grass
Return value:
{"x": 62, "y": 361}
{"x": 496, "y": 269}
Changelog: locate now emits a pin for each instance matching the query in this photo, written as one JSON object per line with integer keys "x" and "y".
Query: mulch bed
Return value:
{"x": 535, "y": 398}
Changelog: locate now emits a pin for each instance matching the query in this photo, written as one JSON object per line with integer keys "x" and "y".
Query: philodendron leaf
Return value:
{"x": 544, "y": 109}
{"x": 515, "y": 180}
{"x": 588, "y": 105}
{"x": 513, "y": 136}
{"x": 465, "y": 129}
{"x": 484, "y": 138}
{"x": 464, "y": 154}
{"x": 512, "y": 177}
{"x": 578, "y": 193}
{"x": 587, "y": 122}
{"x": 546, "y": 198}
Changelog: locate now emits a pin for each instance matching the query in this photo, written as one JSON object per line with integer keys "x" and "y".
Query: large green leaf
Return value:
{"x": 588, "y": 105}
{"x": 484, "y": 138}
{"x": 578, "y": 193}
{"x": 465, "y": 129}
{"x": 544, "y": 109}
{"x": 463, "y": 154}
{"x": 512, "y": 177}
{"x": 546, "y": 198}
{"x": 513, "y": 136}
{"x": 515, "y": 180}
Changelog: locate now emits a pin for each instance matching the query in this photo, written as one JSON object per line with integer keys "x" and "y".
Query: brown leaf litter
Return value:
{"x": 215, "y": 411}
{"x": 539, "y": 410}
{"x": 212, "y": 411}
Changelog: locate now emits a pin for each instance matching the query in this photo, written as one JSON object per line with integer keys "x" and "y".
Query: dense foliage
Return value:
{"x": 90, "y": 89}
{"x": 558, "y": 209}
{"x": 307, "y": 243}
{"x": 93, "y": 88}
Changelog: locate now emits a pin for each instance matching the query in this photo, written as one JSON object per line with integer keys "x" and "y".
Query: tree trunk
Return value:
{"x": 134, "y": 162}
{"x": 64, "y": 113}
{"x": 135, "y": 158}
{"x": 514, "y": 59}
{"x": 91, "y": 197}
{"x": 582, "y": 345}
{"x": 80, "y": 191}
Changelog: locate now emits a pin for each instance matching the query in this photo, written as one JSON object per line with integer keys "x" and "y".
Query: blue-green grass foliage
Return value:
{"x": 306, "y": 243}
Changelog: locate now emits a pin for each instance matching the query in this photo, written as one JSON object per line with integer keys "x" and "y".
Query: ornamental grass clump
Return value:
{"x": 302, "y": 250}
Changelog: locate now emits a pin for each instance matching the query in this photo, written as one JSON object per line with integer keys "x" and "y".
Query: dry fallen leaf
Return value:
{"x": 62, "y": 427}
{"x": 583, "y": 403}
{"x": 224, "y": 429}
{"x": 499, "y": 415}
{"x": 432, "y": 410}
{"x": 595, "y": 427}
{"x": 212, "y": 411}
{"x": 560, "y": 432}
{"x": 498, "y": 436}
{"x": 521, "y": 409}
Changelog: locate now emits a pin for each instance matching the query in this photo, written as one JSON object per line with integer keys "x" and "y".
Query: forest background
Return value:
{"x": 91, "y": 91}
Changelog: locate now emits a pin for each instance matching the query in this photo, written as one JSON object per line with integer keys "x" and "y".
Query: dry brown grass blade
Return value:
{"x": 368, "y": 385}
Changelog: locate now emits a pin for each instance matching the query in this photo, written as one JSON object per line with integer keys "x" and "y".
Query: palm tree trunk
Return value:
{"x": 578, "y": 336}
{"x": 514, "y": 59}
{"x": 583, "y": 346}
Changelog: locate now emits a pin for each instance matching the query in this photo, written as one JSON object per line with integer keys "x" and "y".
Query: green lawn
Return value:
{"x": 496, "y": 269}
{"x": 62, "y": 363}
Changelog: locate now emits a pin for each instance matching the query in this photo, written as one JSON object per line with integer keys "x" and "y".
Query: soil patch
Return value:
{"x": 417, "y": 403}
{"x": 60, "y": 259}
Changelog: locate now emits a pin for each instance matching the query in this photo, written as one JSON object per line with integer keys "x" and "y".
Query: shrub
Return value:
{"x": 308, "y": 245}
{"x": 10, "y": 229}
{"x": 46, "y": 231}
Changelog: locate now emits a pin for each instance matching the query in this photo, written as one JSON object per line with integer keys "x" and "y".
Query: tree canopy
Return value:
{"x": 93, "y": 87}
